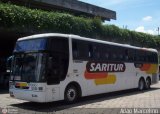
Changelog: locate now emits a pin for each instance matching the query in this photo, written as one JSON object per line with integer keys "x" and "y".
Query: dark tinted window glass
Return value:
{"x": 85, "y": 50}
{"x": 94, "y": 51}
{"x": 104, "y": 50}
{"x": 129, "y": 54}
{"x": 59, "y": 56}
{"x": 79, "y": 49}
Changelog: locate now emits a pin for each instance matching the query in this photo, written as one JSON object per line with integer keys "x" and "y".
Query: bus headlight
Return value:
{"x": 37, "y": 88}
{"x": 40, "y": 88}
{"x": 34, "y": 88}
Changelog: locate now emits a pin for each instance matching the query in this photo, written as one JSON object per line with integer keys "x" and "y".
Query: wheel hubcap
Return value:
{"x": 141, "y": 85}
{"x": 148, "y": 83}
{"x": 71, "y": 94}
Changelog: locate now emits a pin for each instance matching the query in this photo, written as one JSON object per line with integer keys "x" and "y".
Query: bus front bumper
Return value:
{"x": 28, "y": 95}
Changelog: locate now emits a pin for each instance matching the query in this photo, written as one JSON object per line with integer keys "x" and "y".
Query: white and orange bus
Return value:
{"x": 52, "y": 67}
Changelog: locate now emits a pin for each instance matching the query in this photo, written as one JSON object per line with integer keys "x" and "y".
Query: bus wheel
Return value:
{"x": 148, "y": 83}
{"x": 141, "y": 84}
{"x": 71, "y": 94}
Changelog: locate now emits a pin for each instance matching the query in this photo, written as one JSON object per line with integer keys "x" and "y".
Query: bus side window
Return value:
{"x": 114, "y": 53}
{"x": 90, "y": 52}
{"x": 145, "y": 57}
{"x": 114, "y": 56}
{"x": 106, "y": 55}
{"x": 136, "y": 56}
{"x": 96, "y": 51}
{"x": 75, "y": 49}
{"x": 149, "y": 57}
{"x": 120, "y": 55}
{"x": 142, "y": 56}
{"x": 129, "y": 55}
{"x": 104, "y": 52}
{"x": 126, "y": 54}
{"x": 154, "y": 58}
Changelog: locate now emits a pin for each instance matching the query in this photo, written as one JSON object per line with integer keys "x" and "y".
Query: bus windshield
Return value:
{"x": 40, "y": 60}
{"x": 28, "y": 67}
{"x": 31, "y": 45}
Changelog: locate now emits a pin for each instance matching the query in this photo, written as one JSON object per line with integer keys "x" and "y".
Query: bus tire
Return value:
{"x": 71, "y": 94}
{"x": 141, "y": 84}
{"x": 148, "y": 83}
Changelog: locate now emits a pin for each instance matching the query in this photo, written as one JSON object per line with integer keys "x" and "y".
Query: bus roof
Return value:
{"x": 45, "y": 35}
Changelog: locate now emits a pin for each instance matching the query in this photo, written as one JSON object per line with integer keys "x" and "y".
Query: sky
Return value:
{"x": 136, "y": 15}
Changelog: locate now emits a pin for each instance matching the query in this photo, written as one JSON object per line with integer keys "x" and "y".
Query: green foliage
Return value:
{"x": 20, "y": 19}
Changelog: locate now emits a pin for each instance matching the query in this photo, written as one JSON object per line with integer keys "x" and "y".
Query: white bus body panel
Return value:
{"x": 76, "y": 73}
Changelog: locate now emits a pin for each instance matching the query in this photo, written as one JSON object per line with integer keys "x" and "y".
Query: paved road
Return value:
{"x": 93, "y": 105}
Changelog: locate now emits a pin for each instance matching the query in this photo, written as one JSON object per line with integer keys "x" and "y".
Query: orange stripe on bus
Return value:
{"x": 145, "y": 67}
{"x": 153, "y": 69}
{"x": 95, "y": 75}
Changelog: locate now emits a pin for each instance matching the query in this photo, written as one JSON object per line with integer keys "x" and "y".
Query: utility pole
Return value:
{"x": 158, "y": 30}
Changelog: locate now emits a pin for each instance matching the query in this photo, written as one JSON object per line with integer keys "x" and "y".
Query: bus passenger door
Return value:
{"x": 57, "y": 67}
{"x": 131, "y": 73}
{"x": 138, "y": 73}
